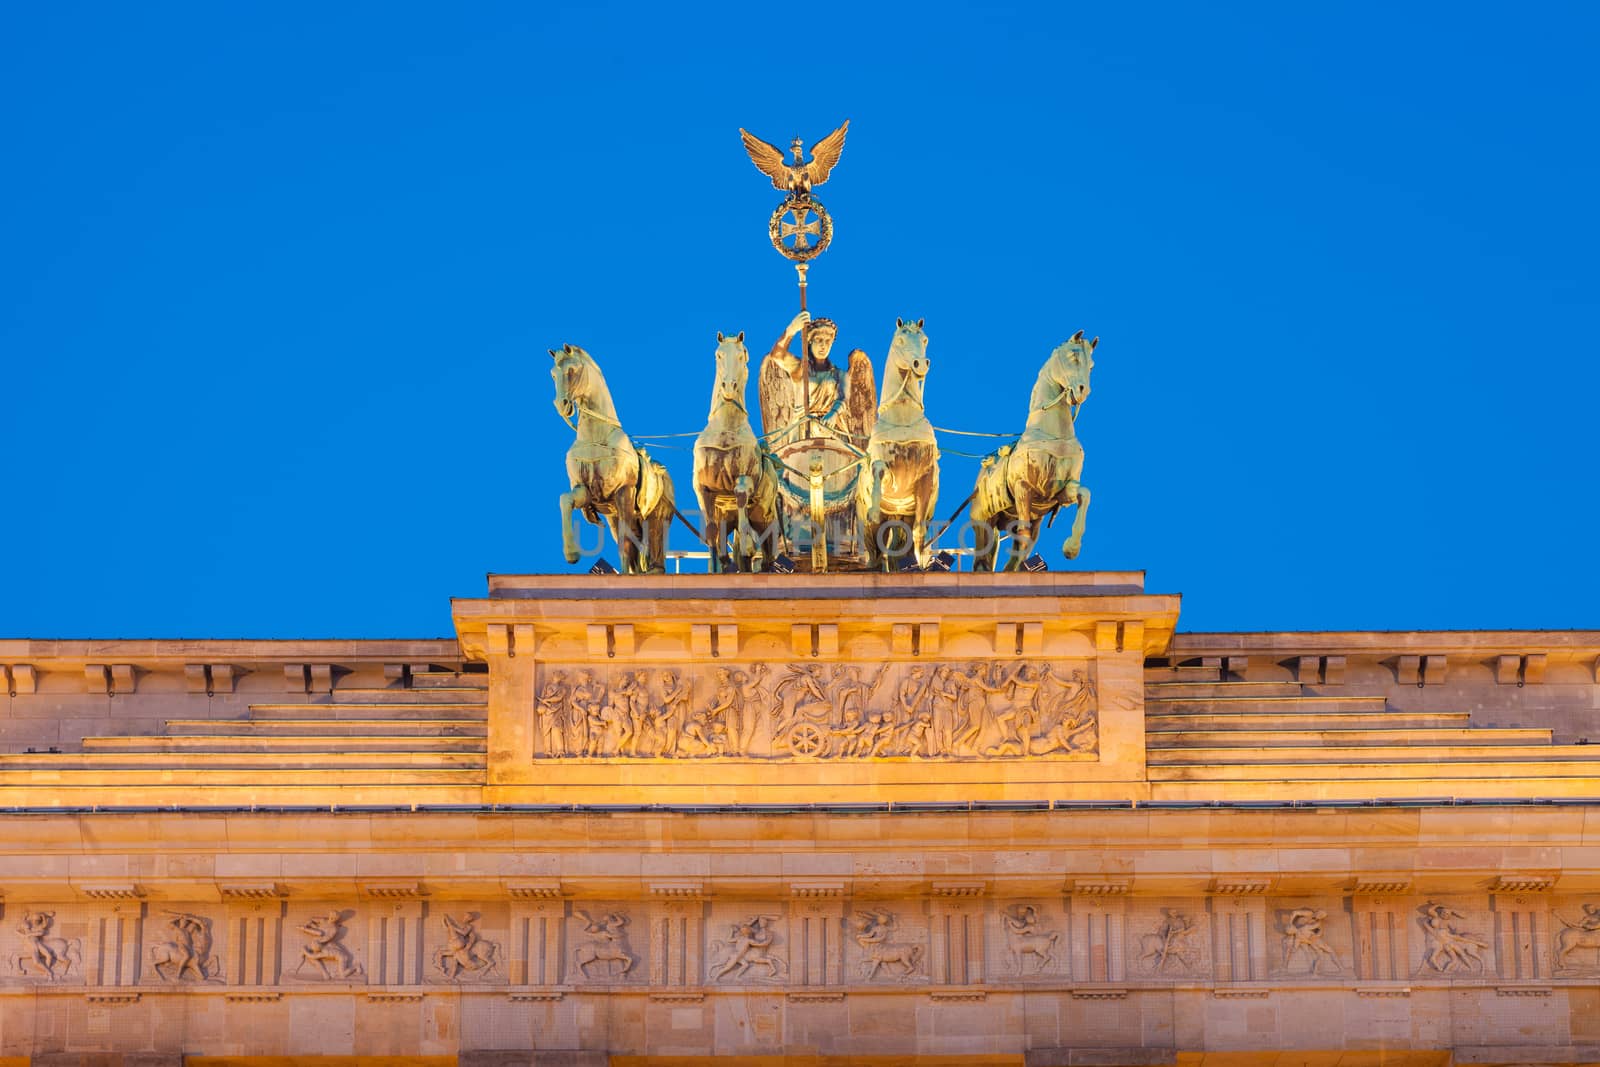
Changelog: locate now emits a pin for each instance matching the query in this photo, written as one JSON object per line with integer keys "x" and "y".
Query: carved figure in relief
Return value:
{"x": 465, "y": 952}
{"x": 610, "y": 944}
{"x": 1449, "y": 948}
{"x": 584, "y": 711}
{"x": 45, "y": 951}
{"x": 872, "y": 931}
{"x": 726, "y": 712}
{"x": 622, "y": 718}
{"x": 552, "y": 711}
{"x": 1024, "y": 937}
{"x": 1302, "y": 933}
{"x": 675, "y": 700}
{"x": 1581, "y": 935}
{"x": 750, "y": 945}
{"x": 916, "y": 737}
{"x": 188, "y": 952}
{"x": 1173, "y": 942}
{"x": 323, "y": 947}
{"x": 944, "y": 700}
{"x": 1025, "y": 682}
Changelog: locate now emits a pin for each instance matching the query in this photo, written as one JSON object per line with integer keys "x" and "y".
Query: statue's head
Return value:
{"x": 733, "y": 367}
{"x": 908, "y": 352}
{"x": 572, "y": 364}
{"x": 820, "y": 334}
{"x": 1070, "y": 365}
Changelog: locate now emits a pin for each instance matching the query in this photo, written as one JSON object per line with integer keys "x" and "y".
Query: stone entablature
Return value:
{"x": 588, "y": 930}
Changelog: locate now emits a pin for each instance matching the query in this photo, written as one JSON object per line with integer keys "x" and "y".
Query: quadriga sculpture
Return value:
{"x": 1019, "y": 485}
{"x": 734, "y": 476}
{"x": 609, "y": 477}
{"x": 902, "y": 481}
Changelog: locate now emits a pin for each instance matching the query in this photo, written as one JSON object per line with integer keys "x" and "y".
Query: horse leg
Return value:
{"x": 626, "y": 530}
{"x": 926, "y": 501}
{"x": 711, "y": 533}
{"x": 985, "y": 541}
{"x": 875, "y": 500}
{"x": 569, "y": 532}
{"x": 1021, "y": 531}
{"x": 1075, "y": 541}
{"x": 744, "y": 537}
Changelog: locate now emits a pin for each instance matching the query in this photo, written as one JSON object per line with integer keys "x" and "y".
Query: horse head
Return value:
{"x": 1069, "y": 366}
{"x": 571, "y": 374}
{"x": 908, "y": 352}
{"x": 733, "y": 370}
{"x": 907, "y": 365}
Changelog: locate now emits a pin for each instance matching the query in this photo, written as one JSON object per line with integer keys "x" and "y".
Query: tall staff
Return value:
{"x": 792, "y": 226}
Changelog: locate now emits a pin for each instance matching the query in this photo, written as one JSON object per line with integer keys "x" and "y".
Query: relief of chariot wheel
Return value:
{"x": 807, "y": 740}
{"x": 792, "y": 232}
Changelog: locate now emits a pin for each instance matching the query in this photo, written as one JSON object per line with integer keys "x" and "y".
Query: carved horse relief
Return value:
{"x": 609, "y": 477}
{"x": 1038, "y": 475}
{"x": 901, "y": 483}
{"x": 187, "y": 951}
{"x": 45, "y": 951}
{"x": 734, "y": 477}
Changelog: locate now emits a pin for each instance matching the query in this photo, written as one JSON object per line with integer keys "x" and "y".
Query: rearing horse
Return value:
{"x": 1020, "y": 484}
{"x": 734, "y": 477}
{"x": 902, "y": 483}
{"x": 609, "y": 477}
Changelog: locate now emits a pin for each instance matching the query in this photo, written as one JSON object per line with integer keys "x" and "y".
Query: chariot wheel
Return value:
{"x": 807, "y": 740}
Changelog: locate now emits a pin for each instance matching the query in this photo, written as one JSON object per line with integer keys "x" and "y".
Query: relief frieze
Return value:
{"x": 973, "y": 710}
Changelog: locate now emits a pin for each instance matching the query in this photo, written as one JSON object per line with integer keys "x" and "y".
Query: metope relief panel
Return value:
{"x": 605, "y": 944}
{"x": 1453, "y": 938}
{"x": 464, "y": 948}
{"x": 1308, "y": 938}
{"x": 1031, "y": 944}
{"x": 1575, "y": 938}
{"x": 183, "y": 947}
{"x": 972, "y": 710}
{"x": 1169, "y": 939}
{"x": 747, "y": 944}
{"x": 886, "y": 944}
{"x": 324, "y": 943}
{"x": 48, "y": 947}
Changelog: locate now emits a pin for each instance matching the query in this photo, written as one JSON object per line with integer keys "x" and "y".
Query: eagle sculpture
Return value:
{"x": 797, "y": 178}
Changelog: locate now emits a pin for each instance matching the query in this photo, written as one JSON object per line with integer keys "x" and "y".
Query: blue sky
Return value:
{"x": 276, "y": 285}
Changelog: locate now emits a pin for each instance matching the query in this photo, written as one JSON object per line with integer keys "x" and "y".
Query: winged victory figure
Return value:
{"x": 797, "y": 178}
{"x": 846, "y": 402}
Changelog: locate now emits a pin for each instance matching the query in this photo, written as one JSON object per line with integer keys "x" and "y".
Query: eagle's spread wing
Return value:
{"x": 824, "y": 154}
{"x": 773, "y": 390}
{"x": 769, "y": 158}
{"x": 860, "y": 414}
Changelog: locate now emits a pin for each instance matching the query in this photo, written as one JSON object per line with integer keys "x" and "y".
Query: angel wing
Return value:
{"x": 775, "y": 391}
{"x": 860, "y": 413}
{"x": 769, "y": 158}
{"x": 824, "y": 154}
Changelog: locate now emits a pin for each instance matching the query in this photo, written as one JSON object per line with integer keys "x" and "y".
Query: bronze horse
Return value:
{"x": 734, "y": 476}
{"x": 609, "y": 477}
{"x": 901, "y": 483}
{"x": 1020, "y": 484}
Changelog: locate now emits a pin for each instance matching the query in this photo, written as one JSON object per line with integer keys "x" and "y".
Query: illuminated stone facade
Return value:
{"x": 944, "y": 819}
